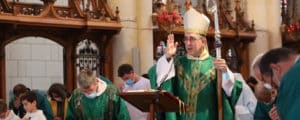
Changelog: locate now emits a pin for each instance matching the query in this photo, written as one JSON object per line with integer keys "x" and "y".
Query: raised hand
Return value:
{"x": 171, "y": 46}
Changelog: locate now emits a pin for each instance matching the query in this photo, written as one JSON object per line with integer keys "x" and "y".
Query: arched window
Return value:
{"x": 35, "y": 62}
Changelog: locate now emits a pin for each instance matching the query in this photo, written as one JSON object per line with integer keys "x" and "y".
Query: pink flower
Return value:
{"x": 168, "y": 19}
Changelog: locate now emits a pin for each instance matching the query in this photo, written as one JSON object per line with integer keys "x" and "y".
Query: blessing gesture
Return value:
{"x": 171, "y": 46}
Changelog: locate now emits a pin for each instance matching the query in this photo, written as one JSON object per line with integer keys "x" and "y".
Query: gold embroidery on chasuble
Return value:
{"x": 193, "y": 81}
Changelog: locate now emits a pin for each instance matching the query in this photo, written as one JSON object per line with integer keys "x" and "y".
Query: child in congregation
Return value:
{"x": 29, "y": 101}
{"x": 5, "y": 113}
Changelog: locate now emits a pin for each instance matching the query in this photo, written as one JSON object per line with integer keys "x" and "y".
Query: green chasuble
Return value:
{"x": 288, "y": 99}
{"x": 107, "y": 106}
{"x": 195, "y": 84}
{"x": 262, "y": 111}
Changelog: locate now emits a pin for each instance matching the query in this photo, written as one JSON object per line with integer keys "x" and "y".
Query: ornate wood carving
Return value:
{"x": 290, "y": 27}
{"x": 66, "y": 25}
{"x": 4, "y": 6}
{"x": 236, "y": 34}
{"x": 70, "y": 16}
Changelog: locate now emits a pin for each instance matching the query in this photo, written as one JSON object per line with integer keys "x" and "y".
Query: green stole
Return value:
{"x": 195, "y": 84}
{"x": 288, "y": 99}
{"x": 262, "y": 111}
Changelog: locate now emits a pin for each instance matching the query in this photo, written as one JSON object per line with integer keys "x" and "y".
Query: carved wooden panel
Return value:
{"x": 290, "y": 27}
{"x": 66, "y": 25}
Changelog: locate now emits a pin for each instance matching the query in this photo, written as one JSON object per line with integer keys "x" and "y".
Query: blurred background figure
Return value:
{"x": 261, "y": 90}
{"x": 282, "y": 65}
{"x": 133, "y": 81}
{"x": 251, "y": 82}
{"x": 59, "y": 98}
{"x": 5, "y": 113}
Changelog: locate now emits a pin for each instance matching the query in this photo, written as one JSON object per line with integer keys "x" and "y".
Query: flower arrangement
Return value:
{"x": 291, "y": 31}
{"x": 168, "y": 19}
{"x": 294, "y": 27}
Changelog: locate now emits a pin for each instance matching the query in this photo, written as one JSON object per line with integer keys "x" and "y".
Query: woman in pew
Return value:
{"x": 59, "y": 98}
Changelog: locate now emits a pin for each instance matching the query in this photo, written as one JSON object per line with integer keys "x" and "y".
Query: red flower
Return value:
{"x": 160, "y": 19}
{"x": 170, "y": 19}
{"x": 167, "y": 20}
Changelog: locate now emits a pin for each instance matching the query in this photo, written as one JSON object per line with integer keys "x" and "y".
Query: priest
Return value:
{"x": 193, "y": 77}
{"x": 96, "y": 99}
{"x": 283, "y": 65}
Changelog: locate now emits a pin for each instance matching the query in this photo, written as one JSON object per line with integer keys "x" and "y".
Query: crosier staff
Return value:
{"x": 212, "y": 7}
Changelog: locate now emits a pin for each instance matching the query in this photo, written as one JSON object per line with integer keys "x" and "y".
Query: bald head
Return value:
{"x": 255, "y": 72}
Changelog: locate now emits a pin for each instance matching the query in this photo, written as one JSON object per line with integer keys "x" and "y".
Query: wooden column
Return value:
{"x": 108, "y": 63}
{"x": 244, "y": 55}
{"x": 70, "y": 70}
{"x": 2, "y": 72}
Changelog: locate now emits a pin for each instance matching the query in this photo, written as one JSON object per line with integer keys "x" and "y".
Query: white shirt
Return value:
{"x": 246, "y": 104}
{"x": 38, "y": 115}
{"x": 11, "y": 116}
{"x": 136, "y": 114}
{"x": 101, "y": 87}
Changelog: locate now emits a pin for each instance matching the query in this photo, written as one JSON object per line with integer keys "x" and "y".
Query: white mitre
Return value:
{"x": 195, "y": 22}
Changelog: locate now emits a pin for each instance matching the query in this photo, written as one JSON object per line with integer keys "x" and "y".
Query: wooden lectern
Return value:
{"x": 154, "y": 101}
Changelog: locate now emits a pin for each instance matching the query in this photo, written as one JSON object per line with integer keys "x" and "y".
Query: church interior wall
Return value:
{"x": 34, "y": 61}
{"x": 137, "y": 34}
{"x": 267, "y": 19}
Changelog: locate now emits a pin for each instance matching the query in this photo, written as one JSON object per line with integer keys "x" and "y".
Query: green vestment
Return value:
{"x": 262, "y": 111}
{"x": 107, "y": 106}
{"x": 195, "y": 84}
{"x": 288, "y": 99}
